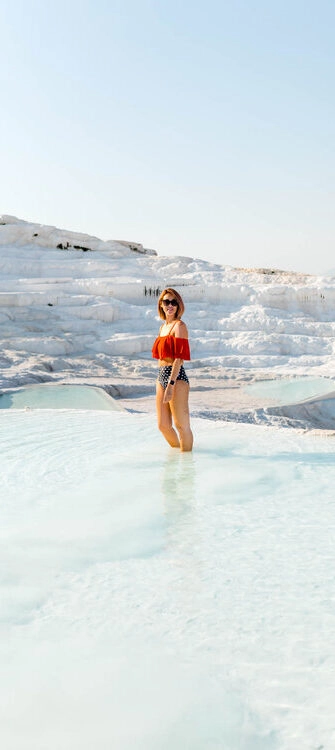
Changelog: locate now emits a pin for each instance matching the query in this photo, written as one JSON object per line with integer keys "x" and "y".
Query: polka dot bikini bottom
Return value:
{"x": 164, "y": 374}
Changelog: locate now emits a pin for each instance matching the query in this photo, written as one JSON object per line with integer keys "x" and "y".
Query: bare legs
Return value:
{"x": 176, "y": 410}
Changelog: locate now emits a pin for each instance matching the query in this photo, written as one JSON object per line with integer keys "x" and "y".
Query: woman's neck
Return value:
{"x": 171, "y": 322}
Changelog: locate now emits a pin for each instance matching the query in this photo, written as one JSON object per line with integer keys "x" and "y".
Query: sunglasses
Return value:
{"x": 167, "y": 302}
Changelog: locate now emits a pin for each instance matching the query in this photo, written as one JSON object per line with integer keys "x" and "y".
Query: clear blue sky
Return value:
{"x": 197, "y": 128}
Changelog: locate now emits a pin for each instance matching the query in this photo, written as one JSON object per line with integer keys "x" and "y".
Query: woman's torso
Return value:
{"x": 168, "y": 347}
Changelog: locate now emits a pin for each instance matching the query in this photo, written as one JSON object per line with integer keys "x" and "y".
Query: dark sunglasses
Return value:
{"x": 167, "y": 302}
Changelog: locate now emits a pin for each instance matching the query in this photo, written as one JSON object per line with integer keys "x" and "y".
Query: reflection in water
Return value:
{"x": 183, "y": 534}
{"x": 178, "y": 485}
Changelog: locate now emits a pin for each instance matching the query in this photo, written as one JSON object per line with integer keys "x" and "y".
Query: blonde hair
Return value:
{"x": 180, "y": 308}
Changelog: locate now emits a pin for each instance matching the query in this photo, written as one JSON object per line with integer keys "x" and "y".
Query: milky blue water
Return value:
{"x": 53, "y": 396}
{"x": 291, "y": 390}
{"x": 159, "y": 600}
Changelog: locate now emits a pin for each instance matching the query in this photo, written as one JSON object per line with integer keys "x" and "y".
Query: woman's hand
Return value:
{"x": 168, "y": 393}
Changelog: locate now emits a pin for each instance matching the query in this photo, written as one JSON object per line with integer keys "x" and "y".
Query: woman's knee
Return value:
{"x": 164, "y": 426}
{"x": 183, "y": 427}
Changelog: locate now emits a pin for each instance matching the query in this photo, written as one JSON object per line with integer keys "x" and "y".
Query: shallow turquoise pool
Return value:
{"x": 53, "y": 396}
{"x": 290, "y": 391}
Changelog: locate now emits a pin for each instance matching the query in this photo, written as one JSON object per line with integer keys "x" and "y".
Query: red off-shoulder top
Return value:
{"x": 171, "y": 347}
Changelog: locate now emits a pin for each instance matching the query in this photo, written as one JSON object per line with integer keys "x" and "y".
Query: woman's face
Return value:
{"x": 170, "y": 306}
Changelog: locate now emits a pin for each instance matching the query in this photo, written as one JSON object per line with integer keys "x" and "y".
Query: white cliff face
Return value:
{"x": 26, "y": 234}
{"x": 73, "y": 303}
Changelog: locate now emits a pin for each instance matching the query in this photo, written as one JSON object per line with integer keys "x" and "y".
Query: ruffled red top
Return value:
{"x": 171, "y": 347}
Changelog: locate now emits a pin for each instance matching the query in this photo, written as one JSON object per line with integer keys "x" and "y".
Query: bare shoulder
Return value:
{"x": 181, "y": 330}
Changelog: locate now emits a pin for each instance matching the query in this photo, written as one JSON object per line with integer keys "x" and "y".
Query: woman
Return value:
{"x": 171, "y": 348}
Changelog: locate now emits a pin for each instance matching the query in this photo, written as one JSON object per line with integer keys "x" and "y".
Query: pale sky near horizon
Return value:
{"x": 203, "y": 129}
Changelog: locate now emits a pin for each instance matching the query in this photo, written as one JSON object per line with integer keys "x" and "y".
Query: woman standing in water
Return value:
{"x": 171, "y": 348}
